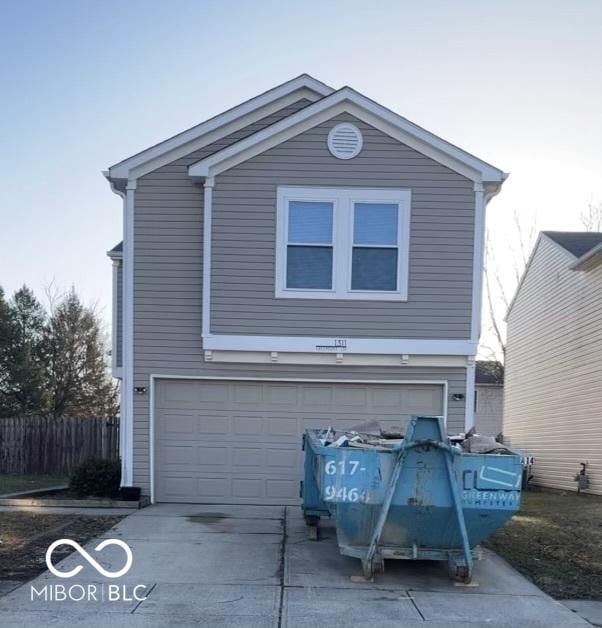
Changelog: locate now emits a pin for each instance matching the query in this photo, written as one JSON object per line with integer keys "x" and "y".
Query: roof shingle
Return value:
{"x": 576, "y": 242}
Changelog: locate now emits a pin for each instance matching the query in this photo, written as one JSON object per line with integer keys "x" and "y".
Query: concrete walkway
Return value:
{"x": 234, "y": 566}
{"x": 588, "y": 609}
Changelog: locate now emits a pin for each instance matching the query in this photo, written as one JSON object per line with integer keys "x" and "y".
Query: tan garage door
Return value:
{"x": 240, "y": 442}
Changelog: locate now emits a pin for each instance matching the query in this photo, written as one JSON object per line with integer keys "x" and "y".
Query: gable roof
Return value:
{"x": 116, "y": 252}
{"x": 349, "y": 101}
{"x": 576, "y": 242}
{"x": 303, "y": 86}
{"x": 489, "y": 372}
{"x": 571, "y": 243}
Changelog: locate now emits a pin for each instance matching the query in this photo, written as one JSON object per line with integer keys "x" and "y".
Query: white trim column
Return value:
{"x": 115, "y": 370}
{"x": 478, "y": 261}
{"x": 206, "y": 295}
{"x": 126, "y": 440}
{"x": 470, "y": 388}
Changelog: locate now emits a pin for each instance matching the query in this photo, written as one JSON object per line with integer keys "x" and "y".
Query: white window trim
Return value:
{"x": 342, "y": 200}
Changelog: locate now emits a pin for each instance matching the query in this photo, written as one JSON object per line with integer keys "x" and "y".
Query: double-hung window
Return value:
{"x": 342, "y": 243}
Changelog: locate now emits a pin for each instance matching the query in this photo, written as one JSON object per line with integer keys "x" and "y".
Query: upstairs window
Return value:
{"x": 342, "y": 243}
{"x": 309, "y": 246}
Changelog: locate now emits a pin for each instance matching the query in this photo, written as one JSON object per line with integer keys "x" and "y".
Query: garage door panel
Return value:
{"x": 248, "y": 425}
{"x": 279, "y": 395}
{"x": 351, "y": 396}
{"x": 233, "y": 442}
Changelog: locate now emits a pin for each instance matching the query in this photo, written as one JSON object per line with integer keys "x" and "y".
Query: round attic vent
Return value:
{"x": 345, "y": 141}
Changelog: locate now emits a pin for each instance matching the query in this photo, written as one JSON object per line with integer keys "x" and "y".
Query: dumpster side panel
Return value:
{"x": 351, "y": 482}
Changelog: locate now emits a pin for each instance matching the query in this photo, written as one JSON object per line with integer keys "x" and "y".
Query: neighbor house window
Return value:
{"x": 342, "y": 243}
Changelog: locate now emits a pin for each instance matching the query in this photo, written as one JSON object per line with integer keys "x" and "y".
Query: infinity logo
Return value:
{"x": 82, "y": 552}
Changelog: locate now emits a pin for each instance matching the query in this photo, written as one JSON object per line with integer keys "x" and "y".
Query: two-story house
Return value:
{"x": 307, "y": 258}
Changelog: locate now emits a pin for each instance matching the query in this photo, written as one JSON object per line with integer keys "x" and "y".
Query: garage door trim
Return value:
{"x": 298, "y": 380}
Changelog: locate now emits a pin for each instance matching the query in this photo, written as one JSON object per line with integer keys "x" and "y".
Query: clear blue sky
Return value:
{"x": 85, "y": 84}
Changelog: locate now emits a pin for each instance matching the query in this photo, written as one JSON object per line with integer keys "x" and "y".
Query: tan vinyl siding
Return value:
{"x": 553, "y": 387}
{"x": 168, "y": 276}
{"x": 244, "y": 237}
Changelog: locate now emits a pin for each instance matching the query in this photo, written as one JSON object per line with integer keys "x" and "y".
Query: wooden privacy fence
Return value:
{"x": 55, "y": 445}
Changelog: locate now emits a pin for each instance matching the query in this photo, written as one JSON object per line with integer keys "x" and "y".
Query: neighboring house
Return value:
{"x": 305, "y": 259}
{"x": 553, "y": 387}
{"x": 489, "y": 397}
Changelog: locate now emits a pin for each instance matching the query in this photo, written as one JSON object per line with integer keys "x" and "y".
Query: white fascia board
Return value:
{"x": 349, "y": 101}
{"x": 307, "y": 344}
{"x": 303, "y": 86}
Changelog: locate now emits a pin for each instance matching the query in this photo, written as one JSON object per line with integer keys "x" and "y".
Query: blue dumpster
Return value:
{"x": 421, "y": 498}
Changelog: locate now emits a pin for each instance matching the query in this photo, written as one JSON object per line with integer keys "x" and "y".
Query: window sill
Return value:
{"x": 318, "y": 295}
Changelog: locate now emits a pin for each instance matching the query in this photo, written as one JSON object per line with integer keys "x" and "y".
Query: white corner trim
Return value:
{"x": 469, "y": 400}
{"x": 347, "y": 100}
{"x": 242, "y": 115}
{"x": 478, "y": 264}
{"x": 342, "y": 200}
{"x": 127, "y": 387}
{"x": 307, "y": 344}
{"x": 299, "y": 380}
{"x": 114, "y": 322}
{"x": 207, "y": 220}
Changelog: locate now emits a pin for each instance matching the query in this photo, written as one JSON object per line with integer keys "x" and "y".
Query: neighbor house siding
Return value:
{"x": 244, "y": 238}
{"x": 553, "y": 392}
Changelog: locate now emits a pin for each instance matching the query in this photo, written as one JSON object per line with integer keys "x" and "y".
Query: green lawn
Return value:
{"x": 17, "y": 483}
{"x": 556, "y": 541}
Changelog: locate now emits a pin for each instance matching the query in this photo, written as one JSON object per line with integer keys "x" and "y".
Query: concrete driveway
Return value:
{"x": 252, "y": 566}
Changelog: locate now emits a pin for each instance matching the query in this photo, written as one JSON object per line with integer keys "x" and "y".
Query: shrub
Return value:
{"x": 97, "y": 477}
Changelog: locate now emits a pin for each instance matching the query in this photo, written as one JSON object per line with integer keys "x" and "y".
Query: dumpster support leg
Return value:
{"x": 462, "y": 573}
{"x": 368, "y": 561}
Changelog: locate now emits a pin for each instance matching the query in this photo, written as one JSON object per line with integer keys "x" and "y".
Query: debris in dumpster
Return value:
{"x": 480, "y": 444}
{"x": 369, "y": 435}
{"x": 344, "y": 441}
{"x": 368, "y": 441}
{"x": 371, "y": 427}
{"x": 395, "y": 432}
{"x": 326, "y": 436}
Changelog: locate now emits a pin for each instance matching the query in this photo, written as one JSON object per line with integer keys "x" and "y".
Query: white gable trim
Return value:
{"x": 242, "y": 115}
{"x": 347, "y": 100}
